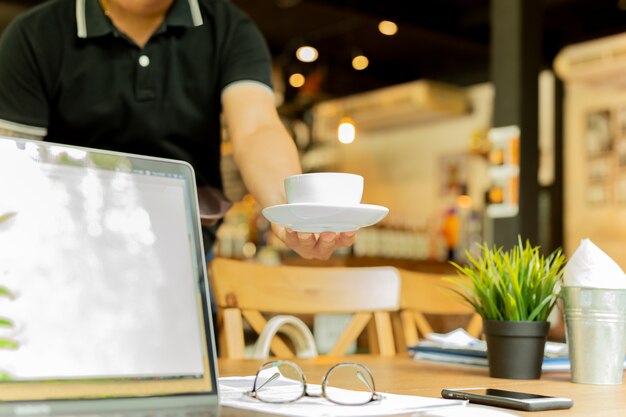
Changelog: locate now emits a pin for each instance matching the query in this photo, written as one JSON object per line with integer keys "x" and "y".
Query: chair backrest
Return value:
{"x": 425, "y": 293}
{"x": 245, "y": 290}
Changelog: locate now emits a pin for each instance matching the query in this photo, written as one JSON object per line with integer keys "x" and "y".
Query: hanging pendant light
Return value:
{"x": 346, "y": 131}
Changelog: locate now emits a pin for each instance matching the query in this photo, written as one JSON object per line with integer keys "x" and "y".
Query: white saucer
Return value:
{"x": 317, "y": 218}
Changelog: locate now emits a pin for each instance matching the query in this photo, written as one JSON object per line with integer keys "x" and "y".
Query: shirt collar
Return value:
{"x": 184, "y": 13}
{"x": 92, "y": 22}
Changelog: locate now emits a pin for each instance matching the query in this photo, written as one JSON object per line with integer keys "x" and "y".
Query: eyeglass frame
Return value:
{"x": 254, "y": 392}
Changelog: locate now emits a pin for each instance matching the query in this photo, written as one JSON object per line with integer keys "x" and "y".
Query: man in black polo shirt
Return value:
{"x": 152, "y": 77}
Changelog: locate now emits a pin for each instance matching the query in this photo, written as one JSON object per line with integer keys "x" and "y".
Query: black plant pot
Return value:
{"x": 515, "y": 348}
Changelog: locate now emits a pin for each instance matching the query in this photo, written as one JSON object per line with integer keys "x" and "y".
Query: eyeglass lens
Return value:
{"x": 349, "y": 384}
{"x": 279, "y": 382}
{"x": 344, "y": 383}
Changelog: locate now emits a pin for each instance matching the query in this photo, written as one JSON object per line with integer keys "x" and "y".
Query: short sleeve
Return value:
{"x": 23, "y": 102}
{"x": 245, "y": 55}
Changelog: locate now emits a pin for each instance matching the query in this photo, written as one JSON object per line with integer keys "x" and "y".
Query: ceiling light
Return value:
{"x": 296, "y": 80}
{"x": 306, "y": 53}
{"x": 387, "y": 27}
{"x": 346, "y": 132}
{"x": 360, "y": 62}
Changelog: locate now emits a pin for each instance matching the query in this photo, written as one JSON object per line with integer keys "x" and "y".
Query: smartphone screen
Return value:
{"x": 507, "y": 394}
{"x": 508, "y": 399}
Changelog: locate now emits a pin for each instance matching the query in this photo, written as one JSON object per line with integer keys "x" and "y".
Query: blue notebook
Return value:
{"x": 476, "y": 356}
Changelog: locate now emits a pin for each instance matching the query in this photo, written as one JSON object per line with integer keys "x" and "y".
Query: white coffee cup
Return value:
{"x": 331, "y": 188}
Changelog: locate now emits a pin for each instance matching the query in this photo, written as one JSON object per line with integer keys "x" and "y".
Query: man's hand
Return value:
{"x": 313, "y": 245}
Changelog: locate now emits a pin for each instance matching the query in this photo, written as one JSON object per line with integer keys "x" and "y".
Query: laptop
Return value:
{"x": 103, "y": 305}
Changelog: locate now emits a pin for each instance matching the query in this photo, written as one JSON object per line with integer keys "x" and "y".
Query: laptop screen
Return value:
{"x": 101, "y": 269}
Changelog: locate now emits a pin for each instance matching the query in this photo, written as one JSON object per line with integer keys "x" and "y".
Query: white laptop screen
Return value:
{"x": 99, "y": 274}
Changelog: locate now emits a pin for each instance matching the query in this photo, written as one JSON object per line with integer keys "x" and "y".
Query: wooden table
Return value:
{"x": 401, "y": 375}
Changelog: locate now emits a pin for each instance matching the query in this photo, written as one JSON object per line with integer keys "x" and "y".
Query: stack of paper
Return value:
{"x": 232, "y": 394}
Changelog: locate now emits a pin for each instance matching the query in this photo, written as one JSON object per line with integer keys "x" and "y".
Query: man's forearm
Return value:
{"x": 263, "y": 150}
{"x": 265, "y": 158}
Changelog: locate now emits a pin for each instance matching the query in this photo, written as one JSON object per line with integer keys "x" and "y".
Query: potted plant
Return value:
{"x": 6, "y": 323}
{"x": 514, "y": 292}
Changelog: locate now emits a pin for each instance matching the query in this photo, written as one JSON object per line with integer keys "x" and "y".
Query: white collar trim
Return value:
{"x": 196, "y": 16}
{"x": 81, "y": 19}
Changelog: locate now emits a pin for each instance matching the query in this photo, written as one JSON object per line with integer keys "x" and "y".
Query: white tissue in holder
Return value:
{"x": 590, "y": 267}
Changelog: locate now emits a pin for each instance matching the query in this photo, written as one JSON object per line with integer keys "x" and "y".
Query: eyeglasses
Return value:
{"x": 346, "y": 383}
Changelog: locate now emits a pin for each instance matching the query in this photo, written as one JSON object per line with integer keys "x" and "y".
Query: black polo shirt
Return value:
{"x": 67, "y": 74}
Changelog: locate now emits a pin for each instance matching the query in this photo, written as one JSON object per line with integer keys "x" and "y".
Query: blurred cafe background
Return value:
{"x": 471, "y": 120}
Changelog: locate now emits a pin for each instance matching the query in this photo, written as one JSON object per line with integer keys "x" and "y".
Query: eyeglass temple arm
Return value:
{"x": 270, "y": 379}
{"x": 359, "y": 375}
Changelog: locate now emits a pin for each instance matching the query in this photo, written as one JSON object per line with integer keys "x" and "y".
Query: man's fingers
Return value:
{"x": 299, "y": 238}
{"x": 326, "y": 244}
{"x": 346, "y": 239}
{"x": 327, "y": 239}
{"x": 301, "y": 242}
{"x": 306, "y": 240}
{"x": 313, "y": 245}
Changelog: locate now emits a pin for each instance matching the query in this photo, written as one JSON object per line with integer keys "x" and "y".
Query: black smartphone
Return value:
{"x": 508, "y": 399}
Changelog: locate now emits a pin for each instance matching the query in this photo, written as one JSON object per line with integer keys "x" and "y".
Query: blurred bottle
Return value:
{"x": 451, "y": 231}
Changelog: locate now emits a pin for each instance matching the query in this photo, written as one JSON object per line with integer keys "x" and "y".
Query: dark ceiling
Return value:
{"x": 446, "y": 40}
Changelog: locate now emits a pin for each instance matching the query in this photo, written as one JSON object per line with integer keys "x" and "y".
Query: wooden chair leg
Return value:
{"x": 352, "y": 331}
{"x": 398, "y": 331}
{"x": 233, "y": 334}
{"x": 475, "y": 325}
{"x": 409, "y": 328}
{"x": 422, "y": 324}
{"x": 372, "y": 338}
{"x": 384, "y": 333}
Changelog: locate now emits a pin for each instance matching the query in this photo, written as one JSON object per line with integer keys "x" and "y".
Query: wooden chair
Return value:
{"x": 424, "y": 293}
{"x": 245, "y": 290}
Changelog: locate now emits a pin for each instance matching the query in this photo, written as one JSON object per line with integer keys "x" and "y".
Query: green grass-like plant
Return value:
{"x": 6, "y": 343}
{"x": 517, "y": 285}
{"x": 6, "y": 216}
